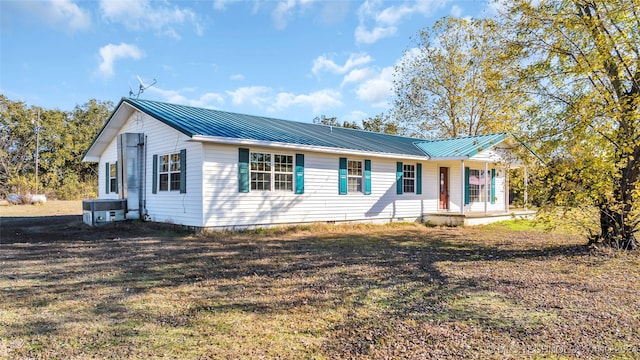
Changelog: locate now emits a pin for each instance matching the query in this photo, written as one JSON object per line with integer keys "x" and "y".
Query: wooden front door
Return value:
{"x": 444, "y": 188}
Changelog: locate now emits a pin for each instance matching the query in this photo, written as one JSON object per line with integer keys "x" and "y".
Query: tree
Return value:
{"x": 457, "y": 82}
{"x": 64, "y": 136}
{"x": 380, "y": 123}
{"x": 583, "y": 65}
{"x": 333, "y": 121}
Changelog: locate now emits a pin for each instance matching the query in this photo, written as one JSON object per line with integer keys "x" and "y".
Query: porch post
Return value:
{"x": 506, "y": 188}
{"x": 526, "y": 188}
{"x": 462, "y": 187}
{"x": 486, "y": 171}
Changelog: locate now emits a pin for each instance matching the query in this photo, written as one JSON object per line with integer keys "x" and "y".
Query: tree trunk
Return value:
{"x": 613, "y": 232}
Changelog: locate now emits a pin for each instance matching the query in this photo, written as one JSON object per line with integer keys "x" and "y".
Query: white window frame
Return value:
{"x": 478, "y": 193}
{"x": 277, "y": 175}
{"x": 172, "y": 170}
{"x": 355, "y": 176}
{"x": 408, "y": 178}
{"x": 112, "y": 177}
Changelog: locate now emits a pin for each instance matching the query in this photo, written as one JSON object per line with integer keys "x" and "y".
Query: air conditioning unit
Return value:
{"x": 96, "y": 212}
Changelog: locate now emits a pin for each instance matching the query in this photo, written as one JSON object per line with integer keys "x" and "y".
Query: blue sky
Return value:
{"x": 293, "y": 59}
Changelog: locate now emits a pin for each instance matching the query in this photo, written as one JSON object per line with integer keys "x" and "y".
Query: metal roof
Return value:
{"x": 193, "y": 121}
{"x": 464, "y": 147}
{"x": 200, "y": 123}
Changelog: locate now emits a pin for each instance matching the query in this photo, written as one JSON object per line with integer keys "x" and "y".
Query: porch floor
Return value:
{"x": 452, "y": 218}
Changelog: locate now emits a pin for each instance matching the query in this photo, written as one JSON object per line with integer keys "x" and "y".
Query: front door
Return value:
{"x": 444, "y": 188}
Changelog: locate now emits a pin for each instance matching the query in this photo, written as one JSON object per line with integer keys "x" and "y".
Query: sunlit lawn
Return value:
{"x": 322, "y": 292}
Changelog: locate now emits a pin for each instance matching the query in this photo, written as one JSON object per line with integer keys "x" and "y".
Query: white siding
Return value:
{"x": 171, "y": 207}
{"x": 213, "y": 198}
{"x": 225, "y": 206}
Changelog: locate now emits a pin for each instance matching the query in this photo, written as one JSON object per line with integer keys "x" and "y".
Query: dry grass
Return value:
{"x": 322, "y": 292}
{"x": 50, "y": 208}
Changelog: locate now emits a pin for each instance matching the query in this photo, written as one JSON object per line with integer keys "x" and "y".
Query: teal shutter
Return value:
{"x": 493, "y": 186}
{"x": 367, "y": 177}
{"x": 183, "y": 171}
{"x": 399, "y": 182}
{"x": 466, "y": 186}
{"x": 299, "y": 173}
{"x": 107, "y": 178}
{"x": 419, "y": 179}
{"x": 154, "y": 187}
{"x": 342, "y": 176}
{"x": 117, "y": 178}
{"x": 243, "y": 170}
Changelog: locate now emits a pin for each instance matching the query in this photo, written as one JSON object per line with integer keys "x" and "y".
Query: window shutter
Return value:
{"x": 107, "y": 176}
{"x": 154, "y": 187}
{"x": 399, "y": 182}
{"x": 117, "y": 178}
{"x": 342, "y": 176}
{"x": 493, "y": 186}
{"x": 466, "y": 186}
{"x": 243, "y": 170}
{"x": 419, "y": 179}
{"x": 183, "y": 171}
{"x": 367, "y": 177}
{"x": 299, "y": 173}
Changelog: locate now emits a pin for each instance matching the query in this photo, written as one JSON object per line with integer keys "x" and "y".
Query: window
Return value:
{"x": 169, "y": 172}
{"x": 408, "y": 178}
{"x": 271, "y": 172}
{"x": 478, "y": 180}
{"x": 354, "y": 176}
{"x": 283, "y": 172}
{"x": 113, "y": 178}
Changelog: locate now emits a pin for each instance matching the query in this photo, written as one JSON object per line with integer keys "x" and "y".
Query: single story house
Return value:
{"x": 206, "y": 168}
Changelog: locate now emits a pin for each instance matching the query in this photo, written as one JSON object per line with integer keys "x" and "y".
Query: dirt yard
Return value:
{"x": 399, "y": 291}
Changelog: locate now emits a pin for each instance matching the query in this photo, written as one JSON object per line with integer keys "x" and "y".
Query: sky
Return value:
{"x": 292, "y": 59}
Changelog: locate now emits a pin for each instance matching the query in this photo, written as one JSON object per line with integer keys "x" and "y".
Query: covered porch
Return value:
{"x": 474, "y": 180}
{"x": 473, "y": 218}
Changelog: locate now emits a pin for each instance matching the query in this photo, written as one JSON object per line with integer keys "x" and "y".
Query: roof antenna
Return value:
{"x": 141, "y": 87}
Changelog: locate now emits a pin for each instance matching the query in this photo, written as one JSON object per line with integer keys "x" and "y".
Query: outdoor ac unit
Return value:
{"x": 96, "y": 212}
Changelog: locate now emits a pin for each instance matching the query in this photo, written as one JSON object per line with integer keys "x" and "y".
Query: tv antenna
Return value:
{"x": 141, "y": 87}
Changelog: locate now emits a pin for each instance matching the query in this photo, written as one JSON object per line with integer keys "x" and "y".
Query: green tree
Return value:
{"x": 63, "y": 138}
{"x": 380, "y": 123}
{"x": 583, "y": 64}
{"x": 17, "y": 144}
{"x": 456, "y": 82}
{"x": 333, "y": 121}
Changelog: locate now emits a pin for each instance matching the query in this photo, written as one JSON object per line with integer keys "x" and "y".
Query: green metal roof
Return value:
{"x": 464, "y": 147}
{"x": 193, "y": 121}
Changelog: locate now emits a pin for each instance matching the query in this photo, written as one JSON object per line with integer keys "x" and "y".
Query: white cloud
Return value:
{"x": 319, "y": 101}
{"x": 358, "y": 75}
{"x": 378, "y": 90}
{"x": 323, "y": 63}
{"x": 207, "y": 100}
{"x": 237, "y": 77}
{"x": 145, "y": 14}
{"x": 254, "y": 95}
{"x": 355, "y": 115}
{"x": 285, "y": 9}
{"x": 456, "y": 11}
{"x": 111, "y": 53}
{"x": 364, "y": 36}
{"x": 282, "y": 12}
{"x": 375, "y": 23}
{"x": 222, "y": 4}
{"x": 59, "y": 12}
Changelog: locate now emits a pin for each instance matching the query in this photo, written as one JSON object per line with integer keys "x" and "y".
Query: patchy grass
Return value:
{"x": 50, "y": 208}
{"x": 139, "y": 290}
